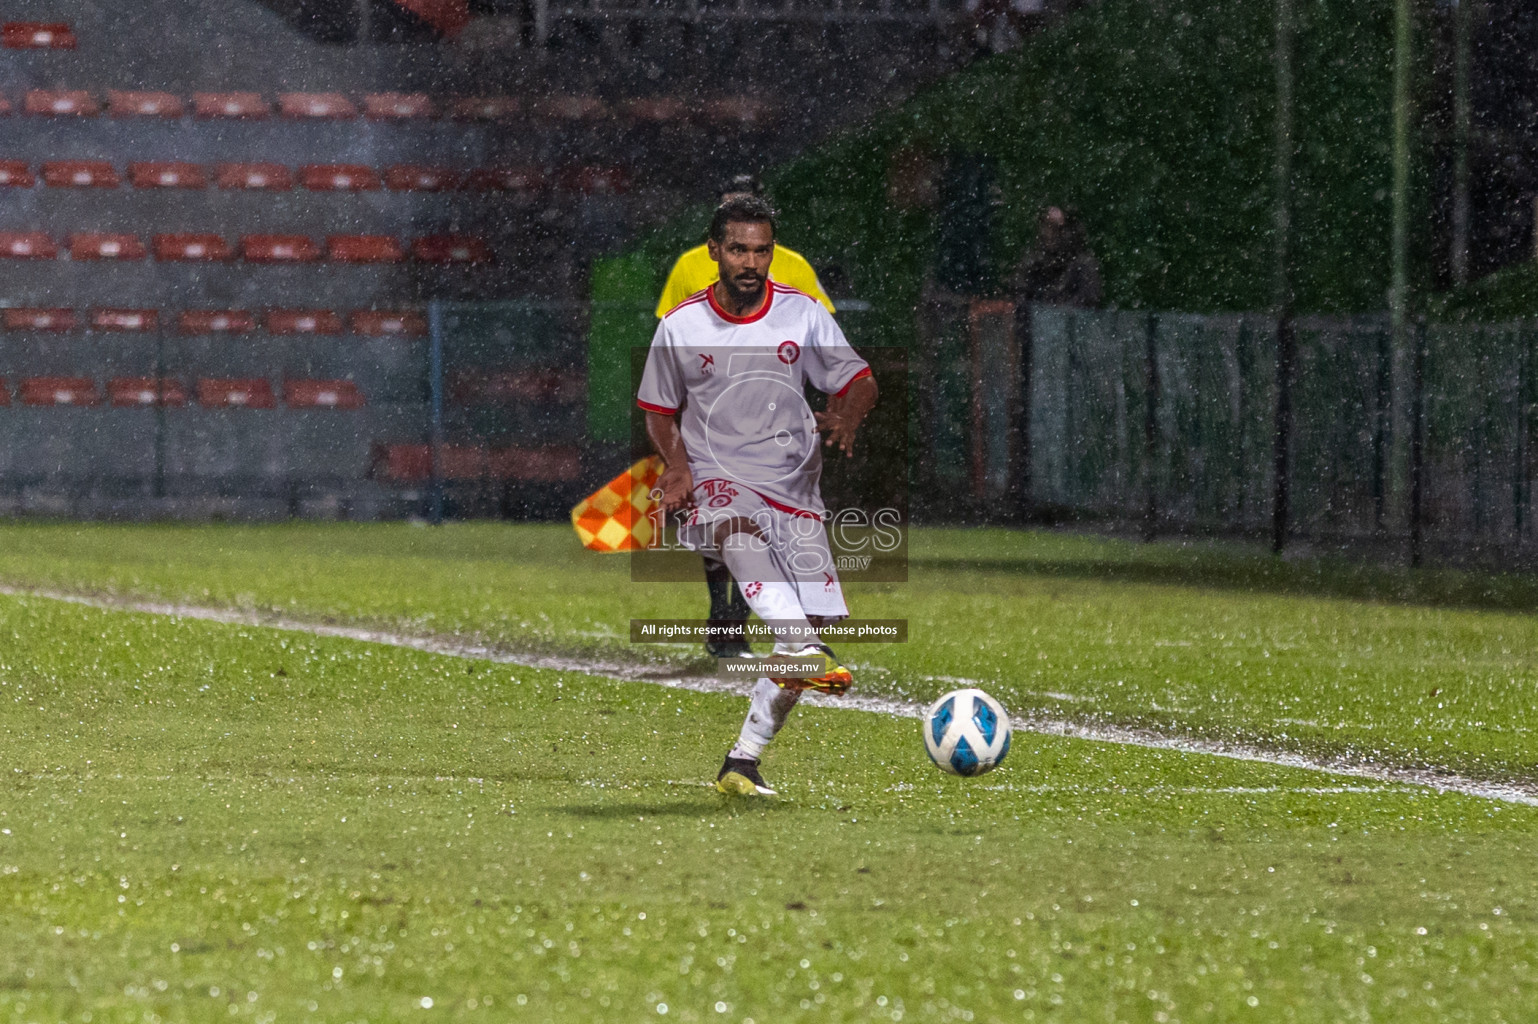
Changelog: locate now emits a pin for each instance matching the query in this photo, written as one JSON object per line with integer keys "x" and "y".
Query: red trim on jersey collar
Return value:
{"x": 660, "y": 410}
{"x": 864, "y": 371}
{"x": 769, "y": 288}
{"x": 698, "y": 296}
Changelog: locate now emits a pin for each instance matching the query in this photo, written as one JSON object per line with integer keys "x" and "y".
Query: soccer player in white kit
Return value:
{"x": 723, "y": 392}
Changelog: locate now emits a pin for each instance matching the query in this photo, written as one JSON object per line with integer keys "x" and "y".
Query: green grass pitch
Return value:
{"x": 225, "y": 822}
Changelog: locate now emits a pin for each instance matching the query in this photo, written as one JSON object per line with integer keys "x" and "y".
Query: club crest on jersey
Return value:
{"x": 789, "y": 352}
{"x": 707, "y": 363}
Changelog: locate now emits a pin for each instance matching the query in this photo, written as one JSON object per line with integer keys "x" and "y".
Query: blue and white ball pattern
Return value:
{"x": 966, "y": 732}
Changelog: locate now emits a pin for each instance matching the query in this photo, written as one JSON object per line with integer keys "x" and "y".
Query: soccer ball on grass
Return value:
{"x": 966, "y": 732}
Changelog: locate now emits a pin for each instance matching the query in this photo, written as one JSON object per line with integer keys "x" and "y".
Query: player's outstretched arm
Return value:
{"x": 844, "y": 415}
{"x": 676, "y": 482}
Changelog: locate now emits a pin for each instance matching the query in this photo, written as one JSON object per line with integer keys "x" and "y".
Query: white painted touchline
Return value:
{"x": 1441, "y": 781}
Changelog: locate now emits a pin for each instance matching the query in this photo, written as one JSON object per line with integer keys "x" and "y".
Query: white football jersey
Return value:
{"x": 739, "y": 384}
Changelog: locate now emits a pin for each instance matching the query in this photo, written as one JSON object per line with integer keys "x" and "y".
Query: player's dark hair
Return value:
{"x": 742, "y": 210}
{"x": 748, "y": 183}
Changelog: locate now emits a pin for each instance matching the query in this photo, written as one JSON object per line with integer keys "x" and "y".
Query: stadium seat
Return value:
{"x": 137, "y": 103}
{"x": 545, "y": 465}
{"x": 322, "y": 394}
{"x": 504, "y": 179}
{"x": 398, "y": 106}
{"x": 245, "y": 105}
{"x": 417, "y": 178}
{"x": 375, "y": 323}
{"x": 56, "y": 320}
{"x": 130, "y": 392}
{"x": 413, "y": 463}
{"x": 279, "y": 248}
{"x": 91, "y": 245}
{"x": 364, "y": 249}
{"x": 515, "y": 386}
{"x": 450, "y": 249}
{"x": 61, "y": 103}
{"x": 485, "y": 108}
{"x": 400, "y": 463}
{"x": 16, "y": 174}
{"x": 236, "y": 393}
{"x": 302, "y": 321}
{"x": 215, "y": 321}
{"x": 5, "y": 392}
{"x": 596, "y": 181}
{"x": 338, "y": 178}
{"x": 739, "y": 111}
{"x": 166, "y": 174}
{"x": 324, "y": 106}
{"x": 80, "y": 174}
{"x": 572, "y": 108}
{"x": 657, "y": 109}
{"x": 268, "y": 177}
{"x": 190, "y": 246}
{"x": 27, "y": 245}
{"x": 37, "y": 35}
{"x": 59, "y": 391}
{"x": 124, "y": 319}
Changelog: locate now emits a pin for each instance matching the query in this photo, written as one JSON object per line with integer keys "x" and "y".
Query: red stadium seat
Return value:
{"x": 413, "y": 463}
{"x": 322, "y": 394}
{"x": 190, "y": 246}
{"x": 247, "y": 105}
{"x": 80, "y": 174}
{"x": 511, "y": 386}
{"x": 451, "y": 249}
{"x": 128, "y": 392}
{"x": 17, "y": 319}
{"x": 302, "y": 321}
{"x": 37, "y": 35}
{"x": 236, "y": 393}
{"x": 124, "y": 319}
{"x": 417, "y": 178}
{"x": 573, "y": 108}
{"x": 162, "y": 174}
{"x": 137, "y": 103}
{"x": 338, "y": 178}
{"x": 59, "y": 391}
{"x": 398, "y": 106}
{"x": 485, "y": 108}
{"x": 596, "y": 181}
{"x": 364, "y": 249}
{"x": 279, "y": 248}
{"x": 658, "y": 109}
{"x": 375, "y": 323}
{"x": 740, "y": 111}
{"x": 505, "y": 179}
{"x": 325, "y": 106}
{"x": 545, "y": 465}
{"x": 16, "y": 174}
{"x": 262, "y": 176}
{"x": 91, "y": 245}
{"x": 216, "y": 321}
{"x": 5, "y": 105}
{"x": 27, "y": 245}
{"x": 61, "y": 103}
{"x": 5, "y": 393}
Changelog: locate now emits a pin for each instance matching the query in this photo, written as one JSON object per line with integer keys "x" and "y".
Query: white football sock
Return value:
{"x": 765, "y": 589}
{"x": 770, "y": 707}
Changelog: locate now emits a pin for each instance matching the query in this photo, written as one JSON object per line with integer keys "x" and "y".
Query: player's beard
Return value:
{"x": 745, "y": 293}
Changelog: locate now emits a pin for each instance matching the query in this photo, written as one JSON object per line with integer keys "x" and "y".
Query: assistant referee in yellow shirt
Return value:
{"x": 693, "y": 272}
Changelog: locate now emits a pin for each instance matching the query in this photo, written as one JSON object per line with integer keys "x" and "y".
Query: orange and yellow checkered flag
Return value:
{"x": 622, "y": 515}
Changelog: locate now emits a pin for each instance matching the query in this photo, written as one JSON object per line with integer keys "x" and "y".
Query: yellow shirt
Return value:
{"x": 695, "y": 271}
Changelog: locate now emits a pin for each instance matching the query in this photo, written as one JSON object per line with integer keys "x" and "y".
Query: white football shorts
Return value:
{"x": 798, "y": 541}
